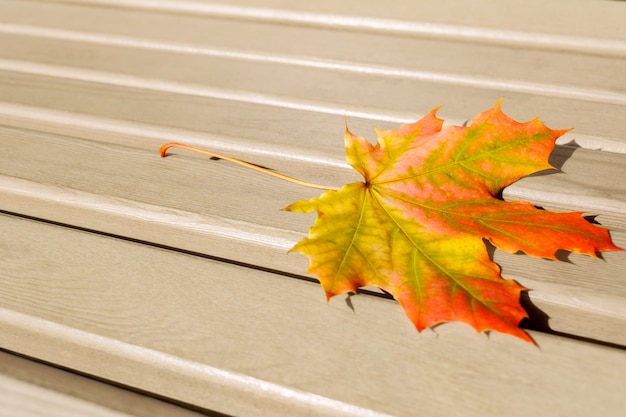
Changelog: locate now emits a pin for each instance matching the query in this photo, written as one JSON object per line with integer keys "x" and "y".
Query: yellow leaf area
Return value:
{"x": 415, "y": 226}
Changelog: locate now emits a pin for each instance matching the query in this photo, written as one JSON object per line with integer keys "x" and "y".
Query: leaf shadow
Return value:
{"x": 349, "y": 301}
{"x": 215, "y": 158}
{"x": 373, "y": 292}
{"x": 559, "y": 156}
{"x": 537, "y": 319}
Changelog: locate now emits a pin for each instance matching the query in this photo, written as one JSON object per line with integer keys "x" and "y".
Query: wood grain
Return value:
{"x": 172, "y": 275}
{"x": 243, "y": 341}
{"x": 195, "y": 58}
{"x": 409, "y": 17}
{"x": 31, "y": 389}
{"x": 183, "y": 201}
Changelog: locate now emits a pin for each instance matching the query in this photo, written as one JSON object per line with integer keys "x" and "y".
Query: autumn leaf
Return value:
{"x": 415, "y": 226}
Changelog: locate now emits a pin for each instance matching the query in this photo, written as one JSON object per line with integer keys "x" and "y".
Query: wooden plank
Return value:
{"x": 199, "y": 105}
{"x": 205, "y": 35}
{"x": 197, "y": 185}
{"x": 30, "y": 389}
{"x": 90, "y": 89}
{"x": 195, "y": 58}
{"x": 196, "y": 39}
{"x": 506, "y": 22}
{"x": 243, "y": 341}
{"x": 218, "y": 210}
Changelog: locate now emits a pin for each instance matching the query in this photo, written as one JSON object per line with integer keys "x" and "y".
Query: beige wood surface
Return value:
{"x": 31, "y": 389}
{"x": 248, "y": 342}
{"x": 199, "y": 53}
{"x": 184, "y": 201}
{"x": 172, "y": 275}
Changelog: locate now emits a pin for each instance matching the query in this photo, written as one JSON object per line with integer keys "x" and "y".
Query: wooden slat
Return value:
{"x": 196, "y": 58}
{"x": 224, "y": 211}
{"x": 506, "y": 22}
{"x": 31, "y": 389}
{"x": 179, "y": 282}
{"x": 248, "y": 342}
{"x": 61, "y": 94}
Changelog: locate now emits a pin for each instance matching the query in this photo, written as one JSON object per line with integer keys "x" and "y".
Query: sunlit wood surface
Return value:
{"x": 171, "y": 276}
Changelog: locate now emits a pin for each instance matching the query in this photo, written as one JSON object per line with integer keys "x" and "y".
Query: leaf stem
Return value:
{"x": 165, "y": 147}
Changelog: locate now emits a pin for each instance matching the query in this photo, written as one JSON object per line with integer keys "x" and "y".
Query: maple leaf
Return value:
{"x": 415, "y": 226}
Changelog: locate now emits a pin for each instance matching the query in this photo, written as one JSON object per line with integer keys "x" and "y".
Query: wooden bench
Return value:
{"x": 171, "y": 277}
